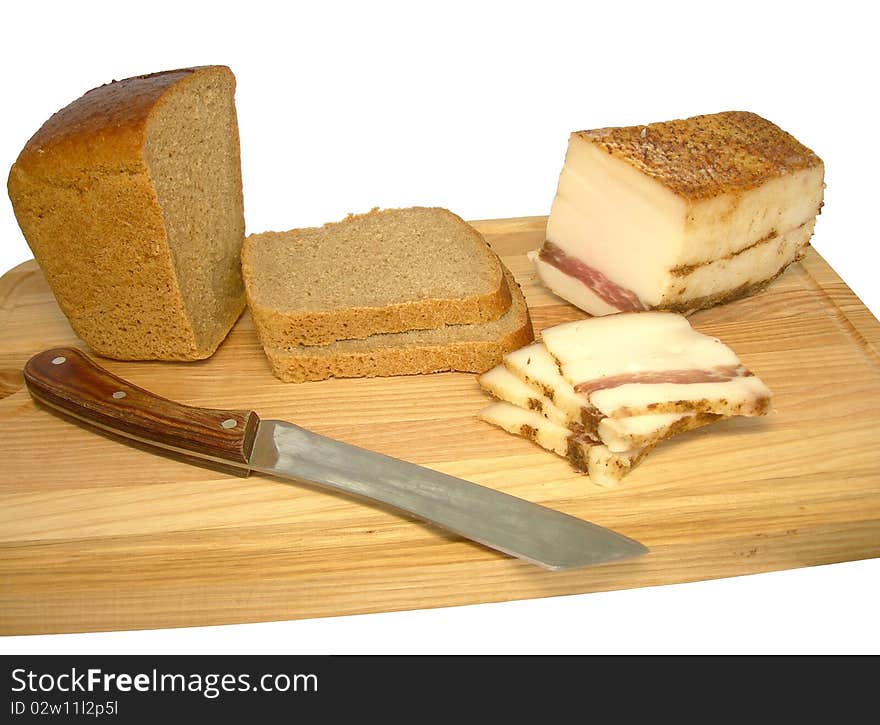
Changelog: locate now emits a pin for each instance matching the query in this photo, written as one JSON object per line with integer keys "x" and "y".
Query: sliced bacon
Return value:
{"x": 717, "y": 374}
{"x": 623, "y": 299}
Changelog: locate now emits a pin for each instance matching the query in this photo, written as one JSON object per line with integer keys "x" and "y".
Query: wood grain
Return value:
{"x": 99, "y": 535}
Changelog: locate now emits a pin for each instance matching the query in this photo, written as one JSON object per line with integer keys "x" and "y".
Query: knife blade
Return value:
{"x": 68, "y": 381}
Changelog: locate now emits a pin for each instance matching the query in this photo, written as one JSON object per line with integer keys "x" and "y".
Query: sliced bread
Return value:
{"x": 465, "y": 348}
{"x": 386, "y": 271}
{"x": 130, "y": 199}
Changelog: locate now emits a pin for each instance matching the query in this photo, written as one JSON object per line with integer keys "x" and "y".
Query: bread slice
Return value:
{"x": 604, "y": 467}
{"x": 130, "y": 199}
{"x": 465, "y": 348}
{"x": 382, "y": 272}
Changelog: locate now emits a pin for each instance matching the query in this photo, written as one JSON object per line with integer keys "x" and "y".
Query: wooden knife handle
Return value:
{"x": 67, "y": 379}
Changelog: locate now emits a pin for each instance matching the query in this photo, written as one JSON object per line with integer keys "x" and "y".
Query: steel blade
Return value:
{"x": 495, "y": 519}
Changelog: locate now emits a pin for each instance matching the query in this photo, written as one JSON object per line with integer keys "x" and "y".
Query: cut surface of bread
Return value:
{"x": 464, "y": 348}
{"x": 131, "y": 201}
{"x": 387, "y": 271}
{"x": 679, "y": 215}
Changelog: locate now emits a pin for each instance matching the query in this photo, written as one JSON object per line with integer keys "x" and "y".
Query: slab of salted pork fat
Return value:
{"x": 653, "y": 362}
{"x": 504, "y": 385}
{"x": 679, "y": 215}
{"x": 604, "y": 467}
{"x": 528, "y": 413}
{"x": 536, "y": 367}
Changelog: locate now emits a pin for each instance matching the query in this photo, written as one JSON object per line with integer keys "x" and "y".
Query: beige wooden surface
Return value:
{"x": 99, "y": 535}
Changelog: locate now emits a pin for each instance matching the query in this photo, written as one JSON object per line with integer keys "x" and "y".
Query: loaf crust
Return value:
{"x": 103, "y": 129}
{"x": 87, "y": 205}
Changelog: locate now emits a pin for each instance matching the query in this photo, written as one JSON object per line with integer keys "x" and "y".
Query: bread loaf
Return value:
{"x": 130, "y": 199}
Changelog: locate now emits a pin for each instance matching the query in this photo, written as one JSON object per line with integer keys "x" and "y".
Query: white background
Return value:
{"x": 468, "y": 105}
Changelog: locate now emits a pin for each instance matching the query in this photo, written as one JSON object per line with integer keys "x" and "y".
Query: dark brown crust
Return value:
{"x": 757, "y": 407}
{"x": 536, "y": 405}
{"x": 682, "y": 425}
{"x": 691, "y": 422}
{"x": 704, "y": 156}
{"x": 576, "y": 453}
{"x": 590, "y": 418}
{"x": 531, "y": 403}
{"x": 546, "y": 389}
{"x": 528, "y": 431}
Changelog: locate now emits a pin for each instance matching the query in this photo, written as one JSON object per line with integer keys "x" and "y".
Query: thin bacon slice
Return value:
{"x": 717, "y": 374}
{"x": 623, "y": 299}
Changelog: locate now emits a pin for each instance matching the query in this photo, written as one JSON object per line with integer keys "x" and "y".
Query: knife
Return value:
{"x": 68, "y": 381}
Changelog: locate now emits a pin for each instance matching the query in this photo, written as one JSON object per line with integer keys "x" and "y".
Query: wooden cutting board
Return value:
{"x": 99, "y": 535}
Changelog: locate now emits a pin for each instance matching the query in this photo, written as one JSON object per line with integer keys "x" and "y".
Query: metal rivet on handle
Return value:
{"x": 119, "y": 394}
{"x": 229, "y": 423}
{"x": 59, "y": 360}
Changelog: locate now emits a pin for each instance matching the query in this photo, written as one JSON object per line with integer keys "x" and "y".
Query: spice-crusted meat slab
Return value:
{"x": 679, "y": 215}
